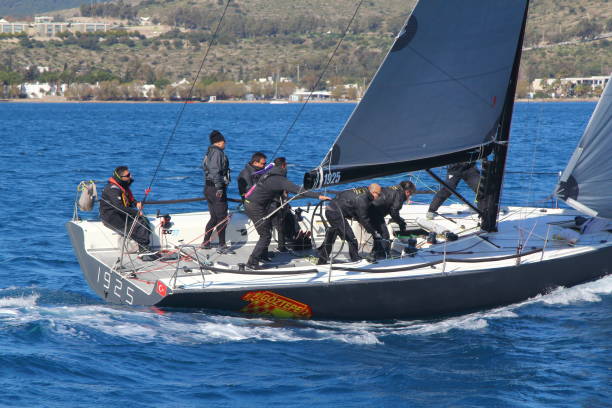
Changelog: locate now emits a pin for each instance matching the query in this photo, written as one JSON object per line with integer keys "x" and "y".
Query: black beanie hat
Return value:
{"x": 216, "y": 136}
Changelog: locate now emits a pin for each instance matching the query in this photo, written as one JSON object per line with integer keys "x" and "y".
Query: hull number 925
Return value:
{"x": 331, "y": 178}
{"x": 114, "y": 284}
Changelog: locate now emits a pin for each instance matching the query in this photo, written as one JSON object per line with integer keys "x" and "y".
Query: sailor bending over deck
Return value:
{"x": 349, "y": 204}
{"x": 389, "y": 203}
{"x": 269, "y": 187}
{"x": 119, "y": 210}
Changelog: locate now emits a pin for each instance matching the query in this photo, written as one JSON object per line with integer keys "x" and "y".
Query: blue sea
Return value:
{"x": 61, "y": 346}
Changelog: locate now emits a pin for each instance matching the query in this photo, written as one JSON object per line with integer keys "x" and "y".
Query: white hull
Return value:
{"x": 473, "y": 253}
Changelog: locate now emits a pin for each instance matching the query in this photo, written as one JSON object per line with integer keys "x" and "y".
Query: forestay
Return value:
{"x": 586, "y": 183}
{"x": 438, "y": 95}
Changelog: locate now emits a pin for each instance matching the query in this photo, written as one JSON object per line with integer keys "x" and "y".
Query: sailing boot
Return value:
{"x": 225, "y": 250}
{"x": 253, "y": 263}
{"x": 322, "y": 261}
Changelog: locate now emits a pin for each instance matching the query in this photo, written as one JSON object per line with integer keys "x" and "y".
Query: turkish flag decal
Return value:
{"x": 161, "y": 288}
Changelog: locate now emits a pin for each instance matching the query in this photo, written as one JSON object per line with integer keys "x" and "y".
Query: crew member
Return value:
{"x": 389, "y": 203}
{"x": 269, "y": 187}
{"x": 466, "y": 171}
{"x": 120, "y": 212}
{"x": 349, "y": 204}
{"x": 247, "y": 177}
{"x": 216, "y": 179}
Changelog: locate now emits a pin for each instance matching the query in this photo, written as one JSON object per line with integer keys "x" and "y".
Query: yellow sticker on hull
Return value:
{"x": 268, "y": 303}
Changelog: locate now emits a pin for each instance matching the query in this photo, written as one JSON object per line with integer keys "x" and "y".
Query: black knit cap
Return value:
{"x": 216, "y": 136}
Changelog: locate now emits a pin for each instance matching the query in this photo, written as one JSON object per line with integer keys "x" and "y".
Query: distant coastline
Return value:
{"x": 60, "y": 99}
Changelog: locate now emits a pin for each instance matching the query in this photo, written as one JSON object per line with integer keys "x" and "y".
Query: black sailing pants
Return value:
{"x": 264, "y": 229}
{"x": 278, "y": 222}
{"x": 471, "y": 176}
{"x": 339, "y": 227}
{"x": 217, "y": 206}
{"x": 140, "y": 233}
{"x": 380, "y": 247}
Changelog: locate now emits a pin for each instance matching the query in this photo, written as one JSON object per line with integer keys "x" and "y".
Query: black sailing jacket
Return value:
{"x": 271, "y": 185}
{"x": 355, "y": 204}
{"x": 247, "y": 178}
{"x": 390, "y": 203}
{"x": 216, "y": 167}
{"x": 113, "y": 210}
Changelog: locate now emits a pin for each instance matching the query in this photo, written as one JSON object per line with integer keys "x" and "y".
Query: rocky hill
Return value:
{"x": 263, "y": 37}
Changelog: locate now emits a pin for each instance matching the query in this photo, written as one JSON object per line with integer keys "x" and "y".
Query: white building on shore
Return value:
{"x": 12, "y": 28}
{"x": 38, "y": 90}
{"x": 539, "y": 84}
{"x": 302, "y": 95}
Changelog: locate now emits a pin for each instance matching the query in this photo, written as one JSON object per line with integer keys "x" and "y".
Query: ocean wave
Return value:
{"x": 586, "y": 292}
{"x": 19, "y": 302}
{"x": 144, "y": 325}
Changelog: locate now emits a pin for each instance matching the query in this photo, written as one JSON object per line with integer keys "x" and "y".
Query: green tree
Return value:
{"x": 587, "y": 29}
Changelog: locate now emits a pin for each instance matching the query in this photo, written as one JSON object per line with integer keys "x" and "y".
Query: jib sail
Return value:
{"x": 586, "y": 183}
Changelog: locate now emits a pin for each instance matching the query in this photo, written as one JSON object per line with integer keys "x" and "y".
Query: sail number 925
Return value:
{"x": 331, "y": 178}
{"x": 116, "y": 282}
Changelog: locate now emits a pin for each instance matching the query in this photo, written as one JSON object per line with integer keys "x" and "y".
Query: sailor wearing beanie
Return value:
{"x": 216, "y": 179}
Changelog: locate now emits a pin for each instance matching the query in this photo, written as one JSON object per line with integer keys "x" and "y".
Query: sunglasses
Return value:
{"x": 126, "y": 175}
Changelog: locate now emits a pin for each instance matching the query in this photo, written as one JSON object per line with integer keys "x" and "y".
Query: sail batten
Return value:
{"x": 439, "y": 91}
{"x": 586, "y": 182}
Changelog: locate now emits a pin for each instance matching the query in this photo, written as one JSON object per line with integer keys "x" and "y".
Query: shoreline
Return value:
{"x": 61, "y": 99}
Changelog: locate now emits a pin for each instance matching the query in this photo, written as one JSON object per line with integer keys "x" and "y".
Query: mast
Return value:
{"x": 493, "y": 171}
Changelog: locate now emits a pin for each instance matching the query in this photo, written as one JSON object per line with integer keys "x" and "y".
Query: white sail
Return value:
{"x": 586, "y": 183}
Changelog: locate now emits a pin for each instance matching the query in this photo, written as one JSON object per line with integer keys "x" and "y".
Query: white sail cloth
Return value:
{"x": 586, "y": 183}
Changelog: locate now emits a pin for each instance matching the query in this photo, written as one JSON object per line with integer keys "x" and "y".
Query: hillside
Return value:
{"x": 28, "y": 8}
{"x": 261, "y": 37}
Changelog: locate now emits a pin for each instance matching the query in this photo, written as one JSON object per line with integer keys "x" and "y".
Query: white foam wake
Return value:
{"x": 144, "y": 325}
{"x": 18, "y": 302}
{"x": 587, "y": 292}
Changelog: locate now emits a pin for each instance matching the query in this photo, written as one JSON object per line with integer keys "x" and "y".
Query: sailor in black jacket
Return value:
{"x": 389, "y": 203}
{"x": 247, "y": 177}
{"x": 216, "y": 179}
{"x": 456, "y": 172}
{"x": 351, "y": 204}
{"x": 119, "y": 209}
{"x": 269, "y": 187}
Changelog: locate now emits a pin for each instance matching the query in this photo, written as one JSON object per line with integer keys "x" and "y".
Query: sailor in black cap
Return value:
{"x": 216, "y": 179}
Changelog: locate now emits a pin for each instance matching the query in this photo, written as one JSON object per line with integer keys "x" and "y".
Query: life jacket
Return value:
{"x": 126, "y": 193}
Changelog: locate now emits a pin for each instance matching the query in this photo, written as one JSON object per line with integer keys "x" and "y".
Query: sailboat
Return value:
{"x": 443, "y": 94}
{"x": 275, "y": 100}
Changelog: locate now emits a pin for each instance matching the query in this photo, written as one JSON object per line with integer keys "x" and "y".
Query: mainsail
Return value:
{"x": 438, "y": 96}
{"x": 586, "y": 183}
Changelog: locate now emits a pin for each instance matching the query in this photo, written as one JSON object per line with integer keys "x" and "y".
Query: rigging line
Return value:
{"x": 297, "y": 116}
{"x": 529, "y": 197}
{"x": 182, "y": 110}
